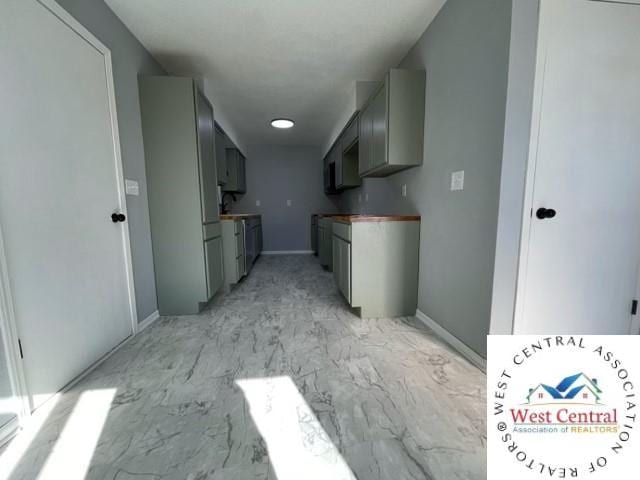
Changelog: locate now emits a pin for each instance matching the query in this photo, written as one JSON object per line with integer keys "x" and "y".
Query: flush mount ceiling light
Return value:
{"x": 282, "y": 123}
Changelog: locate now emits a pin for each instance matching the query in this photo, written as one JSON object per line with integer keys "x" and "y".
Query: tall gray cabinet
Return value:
{"x": 179, "y": 143}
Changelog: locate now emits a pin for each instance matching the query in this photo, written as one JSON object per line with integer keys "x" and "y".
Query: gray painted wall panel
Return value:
{"x": 465, "y": 52}
{"x": 276, "y": 174}
{"x": 130, "y": 59}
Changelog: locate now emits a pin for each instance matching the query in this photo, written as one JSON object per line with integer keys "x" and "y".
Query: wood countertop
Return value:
{"x": 376, "y": 218}
{"x": 238, "y": 216}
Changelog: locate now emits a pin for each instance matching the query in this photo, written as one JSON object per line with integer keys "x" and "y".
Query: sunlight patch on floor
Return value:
{"x": 19, "y": 445}
{"x": 73, "y": 451}
{"x": 298, "y": 445}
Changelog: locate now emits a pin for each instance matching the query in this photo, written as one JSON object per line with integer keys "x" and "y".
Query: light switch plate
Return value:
{"x": 404, "y": 189}
{"x": 457, "y": 180}
{"x": 131, "y": 187}
{"x": 257, "y": 203}
{"x": 288, "y": 203}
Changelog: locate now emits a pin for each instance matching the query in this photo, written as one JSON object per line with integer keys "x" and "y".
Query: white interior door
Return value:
{"x": 580, "y": 267}
{"x": 60, "y": 181}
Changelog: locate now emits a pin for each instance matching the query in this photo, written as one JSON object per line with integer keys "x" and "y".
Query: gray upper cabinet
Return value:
{"x": 178, "y": 133}
{"x": 391, "y": 132}
{"x": 236, "y": 170}
{"x": 221, "y": 155}
{"x": 347, "y": 157}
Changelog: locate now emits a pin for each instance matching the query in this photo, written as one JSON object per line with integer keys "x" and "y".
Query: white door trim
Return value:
{"x": 9, "y": 337}
{"x": 527, "y": 206}
{"x": 7, "y": 315}
{"x": 544, "y": 31}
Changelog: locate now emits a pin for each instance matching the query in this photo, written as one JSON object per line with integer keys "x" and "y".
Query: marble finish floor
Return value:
{"x": 276, "y": 380}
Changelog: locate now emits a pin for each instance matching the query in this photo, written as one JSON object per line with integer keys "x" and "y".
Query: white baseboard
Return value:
{"x": 148, "y": 321}
{"x": 453, "y": 341}
{"x": 288, "y": 252}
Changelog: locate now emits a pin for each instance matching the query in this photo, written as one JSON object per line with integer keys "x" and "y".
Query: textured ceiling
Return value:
{"x": 262, "y": 59}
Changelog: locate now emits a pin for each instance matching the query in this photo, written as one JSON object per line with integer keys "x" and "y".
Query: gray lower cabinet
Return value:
{"x": 179, "y": 144}
{"x": 253, "y": 239}
{"x": 325, "y": 242}
{"x": 375, "y": 265}
{"x": 342, "y": 265}
{"x": 391, "y": 129}
{"x": 236, "y": 171}
{"x": 214, "y": 258}
{"x": 314, "y": 234}
{"x": 234, "y": 251}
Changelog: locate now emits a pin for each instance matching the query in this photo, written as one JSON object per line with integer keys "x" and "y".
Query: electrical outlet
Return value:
{"x": 288, "y": 203}
{"x": 404, "y": 190}
{"x": 457, "y": 180}
{"x": 257, "y": 203}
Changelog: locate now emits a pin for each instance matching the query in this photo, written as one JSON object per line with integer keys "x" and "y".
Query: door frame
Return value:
{"x": 544, "y": 31}
{"x": 8, "y": 321}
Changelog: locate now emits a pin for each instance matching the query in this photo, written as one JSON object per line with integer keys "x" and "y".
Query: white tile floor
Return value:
{"x": 277, "y": 380}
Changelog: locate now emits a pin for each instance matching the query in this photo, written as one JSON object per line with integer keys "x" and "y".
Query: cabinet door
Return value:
{"x": 221, "y": 157}
{"x": 206, "y": 160}
{"x": 232, "y": 170}
{"x": 327, "y": 181}
{"x": 364, "y": 147}
{"x": 321, "y": 246}
{"x": 345, "y": 270}
{"x": 337, "y": 262}
{"x": 256, "y": 242}
{"x": 378, "y": 145}
{"x": 336, "y": 154}
{"x": 214, "y": 261}
{"x": 242, "y": 173}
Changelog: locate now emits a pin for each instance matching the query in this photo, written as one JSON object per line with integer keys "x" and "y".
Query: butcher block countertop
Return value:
{"x": 376, "y": 218}
{"x": 238, "y": 216}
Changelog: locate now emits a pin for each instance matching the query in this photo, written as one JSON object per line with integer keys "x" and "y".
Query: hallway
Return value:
{"x": 276, "y": 380}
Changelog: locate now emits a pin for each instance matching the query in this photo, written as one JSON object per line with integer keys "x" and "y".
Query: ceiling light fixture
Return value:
{"x": 282, "y": 123}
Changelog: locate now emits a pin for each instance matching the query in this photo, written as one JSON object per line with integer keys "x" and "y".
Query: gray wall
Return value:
{"x": 276, "y": 174}
{"x": 465, "y": 52}
{"x": 522, "y": 66}
{"x": 129, "y": 60}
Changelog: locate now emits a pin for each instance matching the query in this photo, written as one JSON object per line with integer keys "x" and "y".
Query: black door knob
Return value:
{"x": 118, "y": 217}
{"x": 543, "y": 213}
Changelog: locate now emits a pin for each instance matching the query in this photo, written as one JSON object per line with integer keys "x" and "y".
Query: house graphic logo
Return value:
{"x": 574, "y": 389}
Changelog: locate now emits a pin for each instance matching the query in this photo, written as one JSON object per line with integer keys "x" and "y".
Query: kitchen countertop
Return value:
{"x": 238, "y": 216}
{"x": 376, "y": 218}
